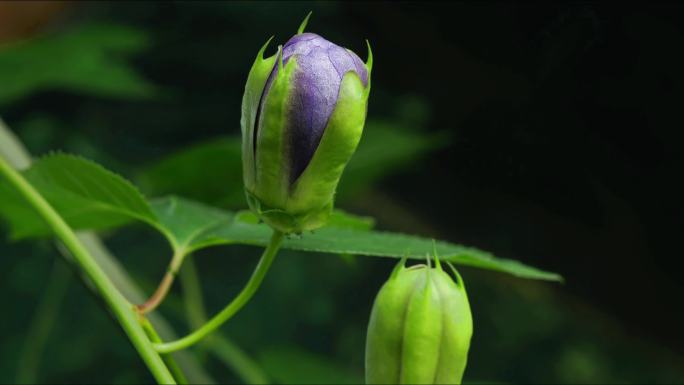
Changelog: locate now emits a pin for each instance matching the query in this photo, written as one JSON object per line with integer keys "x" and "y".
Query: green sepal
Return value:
{"x": 369, "y": 67}
{"x": 457, "y": 329}
{"x": 385, "y": 332}
{"x": 272, "y": 170}
{"x": 422, "y": 332}
{"x": 315, "y": 188}
{"x": 287, "y": 222}
{"x": 256, "y": 81}
{"x": 302, "y": 26}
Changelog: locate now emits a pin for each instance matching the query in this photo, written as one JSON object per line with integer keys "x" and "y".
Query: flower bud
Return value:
{"x": 303, "y": 112}
{"x": 420, "y": 328}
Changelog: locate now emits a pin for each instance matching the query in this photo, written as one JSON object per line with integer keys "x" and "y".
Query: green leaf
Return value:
{"x": 224, "y": 228}
{"x": 90, "y": 197}
{"x": 186, "y": 172}
{"x": 344, "y": 220}
{"x": 189, "y": 225}
{"x": 86, "y": 59}
{"x": 86, "y": 195}
{"x": 338, "y": 219}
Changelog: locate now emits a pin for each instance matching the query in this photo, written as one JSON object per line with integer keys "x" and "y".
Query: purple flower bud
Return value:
{"x": 321, "y": 65}
{"x": 303, "y": 114}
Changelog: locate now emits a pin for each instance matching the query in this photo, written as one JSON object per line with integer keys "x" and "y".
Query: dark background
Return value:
{"x": 564, "y": 126}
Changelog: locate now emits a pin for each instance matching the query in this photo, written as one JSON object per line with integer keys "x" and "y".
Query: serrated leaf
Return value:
{"x": 329, "y": 239}
{"x": 86, "y": 195}
{"x": 90, "y": 197}
{"x": 190, "y": 225}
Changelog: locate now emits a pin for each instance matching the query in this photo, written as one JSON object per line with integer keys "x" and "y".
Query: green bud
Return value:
{"x": 420, "y": 328}
{"x": 303, "y": 113}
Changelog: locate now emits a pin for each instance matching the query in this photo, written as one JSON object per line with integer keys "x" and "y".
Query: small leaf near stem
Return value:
{"x": 164, "y": 286}
{"x": 245, "y": 295}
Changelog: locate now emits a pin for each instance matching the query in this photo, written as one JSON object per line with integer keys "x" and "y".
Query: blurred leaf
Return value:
{"x": 90, "y": 197}
{"x": 210, "y": 172}
{"x": 207, "y": 171}
{"x": 86, "y": 59}
{"x": 288, "y": 365}
{"x": 86, "y": 195}
{"x": 386, "y": 148}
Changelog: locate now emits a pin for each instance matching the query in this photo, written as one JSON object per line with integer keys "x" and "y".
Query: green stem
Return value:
{"x": 193, "y": 302}
{"x": 170, "y": 362}
{"x": 103, "y": 257}
{"x": 164, "y": 286}
{"x": 19, "y": 158}
{"x": 219, "y": 345}
{"x": 232, "y": 308}
{"x": 122, "y": 310}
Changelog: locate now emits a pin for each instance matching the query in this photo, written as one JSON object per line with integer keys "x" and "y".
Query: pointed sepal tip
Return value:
{"x": 302, "y": 26}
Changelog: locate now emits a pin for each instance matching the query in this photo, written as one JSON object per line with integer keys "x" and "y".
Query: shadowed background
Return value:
{"x": 547, "y": 134}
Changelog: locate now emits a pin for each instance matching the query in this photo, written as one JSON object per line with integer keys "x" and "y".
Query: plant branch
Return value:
{"x": 170, "y": 362}
{"x": 19, "y": 158}
{"x": 222, "y": 347}
{"x": 122, "y": 310}
{"x": 164, "y": 286}
{"x": 242, "y": 298}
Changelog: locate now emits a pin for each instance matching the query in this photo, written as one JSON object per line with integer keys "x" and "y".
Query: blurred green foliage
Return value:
{"x": 86, "y": 59}
{"x": 386, "y": 147}
{"x": 81, "y": 89}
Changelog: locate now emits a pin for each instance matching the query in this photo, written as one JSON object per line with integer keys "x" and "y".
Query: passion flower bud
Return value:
{"x": 420, "y": 328}
{"x": 303, "y": 112}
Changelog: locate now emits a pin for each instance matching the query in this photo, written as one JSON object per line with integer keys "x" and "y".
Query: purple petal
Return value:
{"x": 321, "y": 65}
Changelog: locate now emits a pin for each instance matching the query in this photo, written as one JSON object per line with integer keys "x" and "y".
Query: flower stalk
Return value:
{"x": 241, "y": 300}
{"x": 164, "y": 286}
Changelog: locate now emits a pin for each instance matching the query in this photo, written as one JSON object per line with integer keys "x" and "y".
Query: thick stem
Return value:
{"x": 121, "y": 309}
{"x": 170, "y": 362}
{"x": 232, "y": 308}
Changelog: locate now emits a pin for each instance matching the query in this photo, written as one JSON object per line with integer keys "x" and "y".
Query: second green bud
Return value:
{"x": 420, "y": 329}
